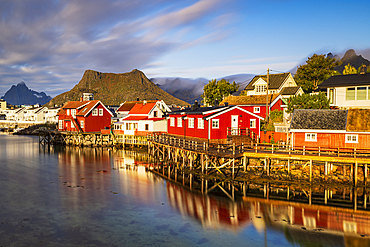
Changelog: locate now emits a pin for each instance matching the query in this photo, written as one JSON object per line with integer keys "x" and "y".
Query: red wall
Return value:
{"x": 97, "y": 123}
{"x": 331, "y": 140}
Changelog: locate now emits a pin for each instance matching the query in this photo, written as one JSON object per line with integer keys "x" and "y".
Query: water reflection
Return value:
{"x": 333, "y": 216}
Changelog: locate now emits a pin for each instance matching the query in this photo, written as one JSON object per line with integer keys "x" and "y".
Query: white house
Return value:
{"x": 348, "y": 91}
{"x": 142, "y": 117}
{"x": 282, "y": 83}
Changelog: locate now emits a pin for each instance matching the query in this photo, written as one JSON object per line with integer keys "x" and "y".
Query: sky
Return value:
{"x": 49, "y": 44}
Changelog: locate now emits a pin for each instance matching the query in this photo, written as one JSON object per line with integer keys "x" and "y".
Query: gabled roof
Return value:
{"x": 141, "y": 108}
{"x": 250, "y": 100}
{"x": 346, "y": 80}
{"x": 309, "y": 119}
{"x": 289, "y": 90}
{"x": 75, "y": 104}
{"x": 128, "y": 105}
{"x": 85, "y": 110}
{"x": 141, "y": 118}
{"x": 275, "y": 80}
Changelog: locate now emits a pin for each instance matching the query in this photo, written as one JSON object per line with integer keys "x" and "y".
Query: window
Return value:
{"x": 215, "y": 123}
{"x": 60, "y": 124}
{"x": 73, "y": 112}
{"x": 95, "y": 112}
{"x": 200, "y": 123}
{"x": 101, "y": 112}
{"x": 172, "y": 121}
{"x": 68, "y": 112}
{"x": 256, "y": 109}
{"x": 252, "y": 123}
{"x": 261, "y": 88}
{"x": 350, "y": 93}
{"x": 361, "y": 93}
{"x": 155, "y": 113}
{"x": 191, "y": 122}
{"x": 146, "y": 126}
{"x": 179, "y": 122}
{"x": 331, "y": 96}
{"x": 351, "y": 138}
{"x": 82, "y": 124}
{"x": 311, "y": 137}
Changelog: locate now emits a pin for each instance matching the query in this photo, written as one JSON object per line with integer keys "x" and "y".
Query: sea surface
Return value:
{"x": 71, "y": 196}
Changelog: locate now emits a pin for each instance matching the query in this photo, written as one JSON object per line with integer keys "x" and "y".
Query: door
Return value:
{"x": 234, "y": 124}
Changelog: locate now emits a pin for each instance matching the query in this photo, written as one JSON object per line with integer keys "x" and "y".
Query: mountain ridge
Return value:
{"x": 20, "y": 94}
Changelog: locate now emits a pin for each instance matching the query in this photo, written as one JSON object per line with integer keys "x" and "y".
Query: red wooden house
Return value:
{"x": 213, "y": 123}
{"x": 84, "y": 116}
{"x": 257, "y": 103}
{"x": 331, "y": 128}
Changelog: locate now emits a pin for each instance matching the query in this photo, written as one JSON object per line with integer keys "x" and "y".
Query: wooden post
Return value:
{"x": 288, "y": 166}
{"x": 356, "y": 167}
{"x": 245, "y": 163}
{"x": 310, "y": 172}
{"x": 202, "y": 162}
{"x": 233, "y": 169}
{"x": 365, "y": 174}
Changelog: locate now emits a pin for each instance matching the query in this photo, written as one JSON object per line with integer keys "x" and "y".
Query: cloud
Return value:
{"x": 49, "y": 44}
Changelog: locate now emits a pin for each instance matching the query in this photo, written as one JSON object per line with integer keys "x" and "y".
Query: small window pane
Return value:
{"x": 361, "y": 93}
{"x": 350, "y": 93}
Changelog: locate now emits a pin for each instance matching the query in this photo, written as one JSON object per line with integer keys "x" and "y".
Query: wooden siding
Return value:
{"x": 331, "y": 140}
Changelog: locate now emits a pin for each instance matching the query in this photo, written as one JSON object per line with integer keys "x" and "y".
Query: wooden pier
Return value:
{"x": 231, "y": 160}
{"x": 91, "y": 139}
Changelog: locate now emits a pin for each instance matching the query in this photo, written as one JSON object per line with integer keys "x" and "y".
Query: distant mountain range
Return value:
{"x": 350, "y": 57}
{"x": 113, "y": 89}
{"x": 22, "y": 95}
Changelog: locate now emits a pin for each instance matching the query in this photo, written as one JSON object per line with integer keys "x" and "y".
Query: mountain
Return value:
{"x": 185, "y": 89}
{"x": 113, "y": 89}
{"x": 190, "y": 90}
{"x": 350, "y": 57}
{"x": 22, "y": 95}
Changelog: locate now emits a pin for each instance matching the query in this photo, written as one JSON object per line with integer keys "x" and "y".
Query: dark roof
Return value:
{"x": 199, "y": 110}
{"x": 250, "y": 100}
{"x": 275, "y": 80}
{"x": 289, "y": 90}
{"x": 319, "y": 119}
{"x": 346, "y": 80}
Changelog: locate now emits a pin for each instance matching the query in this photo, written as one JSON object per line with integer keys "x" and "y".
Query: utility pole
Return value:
{"x": 267, "y": 95}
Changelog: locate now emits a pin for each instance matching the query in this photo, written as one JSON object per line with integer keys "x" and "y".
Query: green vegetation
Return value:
{"x": 317, "y": 69}
{"x": 217, "y": 90}
{"x": 349, "y": 70}
{"x": 275, "y": 116}
{"x": 308, "y": 101}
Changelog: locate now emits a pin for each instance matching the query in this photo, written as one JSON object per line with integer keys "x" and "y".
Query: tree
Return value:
{"x": 349, "y": 70}
{"x": 218, "y": 90}
{"x": 317, "y": 69}
{"x": 308, "y": 101}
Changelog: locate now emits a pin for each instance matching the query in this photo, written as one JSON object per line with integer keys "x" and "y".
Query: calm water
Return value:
{"x": 66, "y": 196}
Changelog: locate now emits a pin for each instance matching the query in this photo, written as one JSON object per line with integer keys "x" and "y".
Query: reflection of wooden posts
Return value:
{"x": 310, "y": 171}
{"x": 365, "y": 174}
{"x": 351, "y": 174}
{"x": 310, "y": 197}
{"x": 169, "y": 170}
{"x": 326, "y": 196}
{"x": 287, "y": 193}
{"x": 355, "y": 198}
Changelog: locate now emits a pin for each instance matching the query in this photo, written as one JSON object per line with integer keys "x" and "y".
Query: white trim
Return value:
{"x": 350, "y": 135}
{"x": 218, "y": 123}
{"x": 232, "y": 108}
{"x": 318, "y": 131}
{"x": 311, "y": 135}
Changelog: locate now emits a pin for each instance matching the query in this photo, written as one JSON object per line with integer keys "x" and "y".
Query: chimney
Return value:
{"x": 195, "y": 106}
{"x": 363, "y": 70}
{"x": 216, "y": 102}
{"x": 137, "y": 99}
{"x": 81, "y": 99}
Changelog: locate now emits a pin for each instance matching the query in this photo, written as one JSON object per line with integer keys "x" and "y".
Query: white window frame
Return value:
{"x": 215, "y": 123}
{"x": 200, "y": 123}
{"x": 252, "y": 123}
{"x": 82, "y": 124}
{"x": 73, "y": 112}
{"x": 310, "y": 137}
{"x": 179, "y": 122}
{"x": 172, "y": 121}
{"x": 351, "y": 138}
{"x": 95, "y": 112}
{"x": 190, "y": 122}
{"x": 256, "y": 109}
{"x": 68, "y": 112}
{"x": 60, "y": 124}
{"x": 101, "y": 112}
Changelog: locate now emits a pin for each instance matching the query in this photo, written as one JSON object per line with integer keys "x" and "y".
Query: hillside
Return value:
{"x": 350, "y": 57}
{"x": 113, "y": 89}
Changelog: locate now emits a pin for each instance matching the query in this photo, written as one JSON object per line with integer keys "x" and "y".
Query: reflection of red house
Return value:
{"x": 84, "y": 116}
{"x": 213, "y": 123}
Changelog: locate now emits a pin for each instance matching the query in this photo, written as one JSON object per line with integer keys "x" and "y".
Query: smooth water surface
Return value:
{"x": 70, "y": 196}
